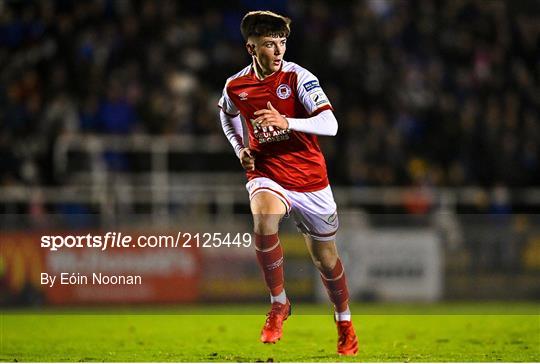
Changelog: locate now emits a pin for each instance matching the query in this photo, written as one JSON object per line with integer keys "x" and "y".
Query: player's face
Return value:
{"x": 268, "y": 53}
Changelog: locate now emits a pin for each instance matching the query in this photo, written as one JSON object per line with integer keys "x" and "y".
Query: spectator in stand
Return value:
{"x": 454, "y": 84}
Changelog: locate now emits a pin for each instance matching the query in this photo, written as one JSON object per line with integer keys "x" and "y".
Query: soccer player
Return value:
{"x": 285, "y": 109}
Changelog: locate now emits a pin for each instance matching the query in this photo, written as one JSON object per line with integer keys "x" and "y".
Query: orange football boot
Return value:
{"x": 347, "y": 340}
{"x": 273, "y": 327}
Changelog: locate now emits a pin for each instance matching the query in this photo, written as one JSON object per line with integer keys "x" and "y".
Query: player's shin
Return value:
{"x": 335, "y": 282}
{"x": 270, "y": 257}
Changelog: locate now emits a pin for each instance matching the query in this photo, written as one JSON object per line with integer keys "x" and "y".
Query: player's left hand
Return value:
{"x": 270, "y": 116}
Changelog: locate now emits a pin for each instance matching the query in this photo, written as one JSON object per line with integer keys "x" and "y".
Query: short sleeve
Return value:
{"x": 310, "y": 93}
{"x": 226, "y": 104}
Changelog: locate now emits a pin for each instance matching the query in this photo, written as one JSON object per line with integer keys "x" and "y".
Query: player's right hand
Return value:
{"x": 247, "y": 160}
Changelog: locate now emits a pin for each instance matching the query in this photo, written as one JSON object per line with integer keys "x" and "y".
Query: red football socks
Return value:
{"x": 270, "y": 257}
{"x": 336, "y": 285}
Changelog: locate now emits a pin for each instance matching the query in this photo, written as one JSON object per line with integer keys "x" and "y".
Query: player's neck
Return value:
{"x": 259, "y": 72}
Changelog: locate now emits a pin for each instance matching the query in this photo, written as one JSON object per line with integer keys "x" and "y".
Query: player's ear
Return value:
{"x": 251, "y": 49}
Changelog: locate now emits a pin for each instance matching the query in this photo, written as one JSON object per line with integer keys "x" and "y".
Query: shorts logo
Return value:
{"x": 310, "y": 85}
{"x": 332, "y": 219}
{"x": 319, "y": 98}
{"x": 283, "y": 91}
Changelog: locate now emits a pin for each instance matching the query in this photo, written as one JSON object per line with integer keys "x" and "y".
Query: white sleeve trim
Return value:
{"x": 324, "y": 123}
{"x": 232, "y": 127}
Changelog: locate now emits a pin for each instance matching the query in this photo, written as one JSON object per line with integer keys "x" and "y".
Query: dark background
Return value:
{"x": 443, "y": 93}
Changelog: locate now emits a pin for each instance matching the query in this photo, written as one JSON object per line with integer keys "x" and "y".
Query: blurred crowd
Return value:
{"x": 437, "y": 93}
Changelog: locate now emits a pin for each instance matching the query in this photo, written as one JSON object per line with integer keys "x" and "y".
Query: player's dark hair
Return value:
{"x": 263, "y": 23}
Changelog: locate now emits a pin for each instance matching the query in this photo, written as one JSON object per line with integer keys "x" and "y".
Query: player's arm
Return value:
{"x": 232, "y": 127}
{"x": 323, "y": 123}
{"x": 315, "y": 102}
{"x": 233, "y": 130}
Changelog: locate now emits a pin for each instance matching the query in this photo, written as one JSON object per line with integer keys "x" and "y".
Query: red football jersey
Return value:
{"x": 292, "y": 159}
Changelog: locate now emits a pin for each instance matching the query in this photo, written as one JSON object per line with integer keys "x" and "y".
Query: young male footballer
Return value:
{"x": 285, "y": 109}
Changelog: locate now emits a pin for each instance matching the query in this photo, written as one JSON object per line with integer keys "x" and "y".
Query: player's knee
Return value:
{"x": 266, "y": 224}
{"x": 328, "y": 263}
{"x": 267, "y": 204}
{"x": 267, "y": 213}
{"x": 325, "y": 264}
{"x": 325, "y": 259}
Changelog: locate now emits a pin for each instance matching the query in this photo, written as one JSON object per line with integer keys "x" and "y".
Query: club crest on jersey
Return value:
{"x": 243, "y": 96}
{"x": 283, "y": 91}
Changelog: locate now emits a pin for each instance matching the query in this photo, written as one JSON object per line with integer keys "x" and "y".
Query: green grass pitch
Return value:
{"x": 396, "y": 333}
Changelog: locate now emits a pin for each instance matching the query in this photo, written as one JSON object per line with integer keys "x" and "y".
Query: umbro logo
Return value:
{"x": 243, "y": 96}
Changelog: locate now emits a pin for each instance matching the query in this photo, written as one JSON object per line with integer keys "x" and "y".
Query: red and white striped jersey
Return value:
{"x": 291, "y": 158}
